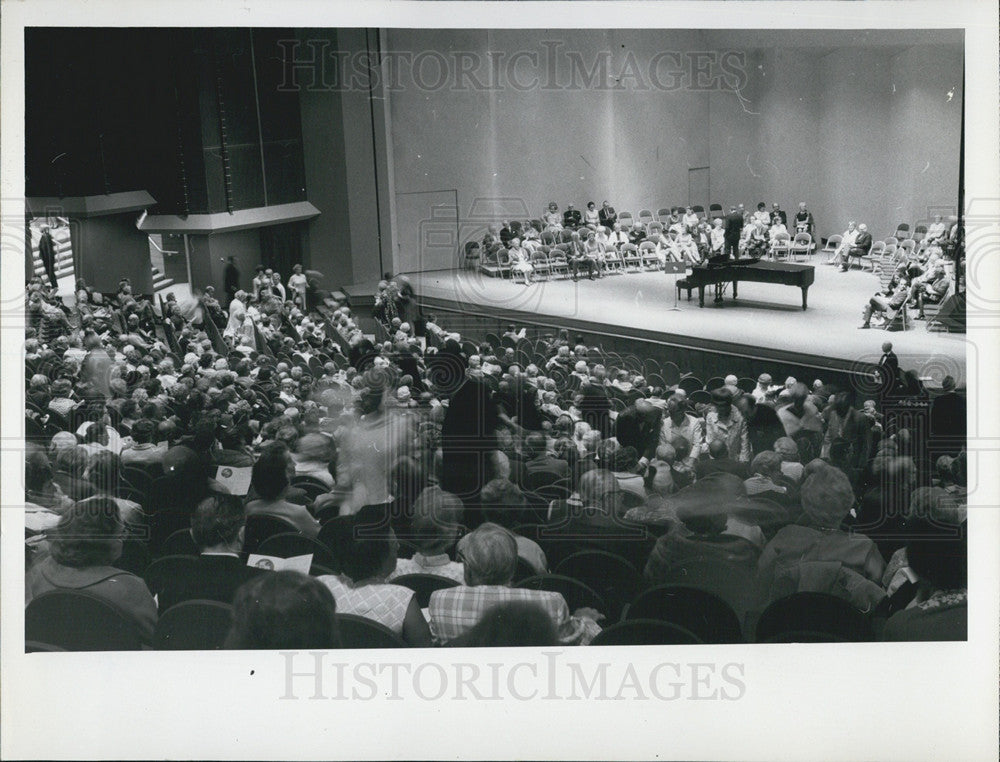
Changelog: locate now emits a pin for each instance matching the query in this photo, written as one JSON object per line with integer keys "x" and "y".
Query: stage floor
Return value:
{"x": 765, "y": 316}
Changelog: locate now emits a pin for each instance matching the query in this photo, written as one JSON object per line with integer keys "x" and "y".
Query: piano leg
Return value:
{"x": 735, "y": 284}
{"x": 805, "y": 292}
{"x": 701, "y": 296}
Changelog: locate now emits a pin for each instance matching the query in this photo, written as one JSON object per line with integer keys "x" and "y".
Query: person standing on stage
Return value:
{"x": 231, "y": 280}
{"x": 734, "y": 230}
{"x": 47, "y": 251}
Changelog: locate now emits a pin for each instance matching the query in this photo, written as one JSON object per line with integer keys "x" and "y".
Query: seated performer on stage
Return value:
{"x": 594, "y": 249}
{"x": 520, "y": 262}
{"x": 607, "y": 215}
{"x": 804, "y": 222}
{"x": 577, "y": 258}
{"x": 666, "y": 248}
{"x": 846, "y": 242}
{"x": 551, "y": 217}
{"x": 618, "y": 237}
{"x": 717, "y": 236}
{"x": 572, "y": 218}
{"x": 936, "y": 233}
{"x": 754, "y": 243}
{"x": 690, "y": 219}
{"x": 686, "y": 248}
{"x": 591, "y": 218}
{"x": 862, "y": 245}
{"x": 885, "y": 302}
{"x": 931, "y": 289}
{"x": 761, "y": 217}
{"x": 703, "y": 240}
{"x": 776, "y": 228}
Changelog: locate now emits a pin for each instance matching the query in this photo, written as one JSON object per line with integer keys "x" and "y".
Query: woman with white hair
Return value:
{"x": 520, "y": 262}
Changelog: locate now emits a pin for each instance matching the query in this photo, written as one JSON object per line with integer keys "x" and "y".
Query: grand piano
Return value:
{"x": 754, "y": 271}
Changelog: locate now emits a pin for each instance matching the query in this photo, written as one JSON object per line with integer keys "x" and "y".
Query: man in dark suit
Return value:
{"x": 506, "y": 234}
{"x": 607, "y": 215}
{"x": 777, "y": 210}
{"x": 719, "y": 462}
{"x": 734, "y": 227}
{"x": 571, "y": 217}
{"x": 217, "y": 527}
{"x": 47, "y": 251}
{"x": 889, "y": 366}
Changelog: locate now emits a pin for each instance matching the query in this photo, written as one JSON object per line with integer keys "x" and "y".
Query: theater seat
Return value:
{"x": 645, "y": 632}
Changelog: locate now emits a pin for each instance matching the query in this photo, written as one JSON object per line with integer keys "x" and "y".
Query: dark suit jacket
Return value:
{"x": 213, "y": 578}
{"x": 47, "y": 248}
{"x": 863, "y": 242}
{"x": 607, "y": 216}
{"x": 571, "y": 217}
{"x": 734, "y": 224}
{"x": 781, "y": 214}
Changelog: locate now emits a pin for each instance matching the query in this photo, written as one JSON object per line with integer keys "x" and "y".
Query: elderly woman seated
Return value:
{"x": 83, "y": 548}
{"x": 283, "y": 610}
{"x": 433, "y": 529}
{"x": 490, "y": 558}
{"x": 815, "y": 554}
{"x": 366, "y": 547}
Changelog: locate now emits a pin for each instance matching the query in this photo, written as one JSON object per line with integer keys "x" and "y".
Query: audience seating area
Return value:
{"x": 610, "y": 471}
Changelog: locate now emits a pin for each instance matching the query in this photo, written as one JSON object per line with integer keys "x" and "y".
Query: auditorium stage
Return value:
{"x": 766, "y": 321}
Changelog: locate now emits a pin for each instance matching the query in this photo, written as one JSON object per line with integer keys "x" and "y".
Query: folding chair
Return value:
{"x": 801, "y": 244}
{"x": 780, "y": 246}
{"x": 631, "y": 258}
{"x": 832, "y": 244}
{"x": 662, "y": 215}
{"x": 645, "y": 632}
{"x": 558, "y": 264}
{"x": 902, "y": 230}
{"x": 645, "y": 216}
{"x": 540, "y": 264}
{"x": 648, "y": 255}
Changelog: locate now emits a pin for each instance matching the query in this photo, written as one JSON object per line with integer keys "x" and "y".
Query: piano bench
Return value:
{"x": 683, "y": 283}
